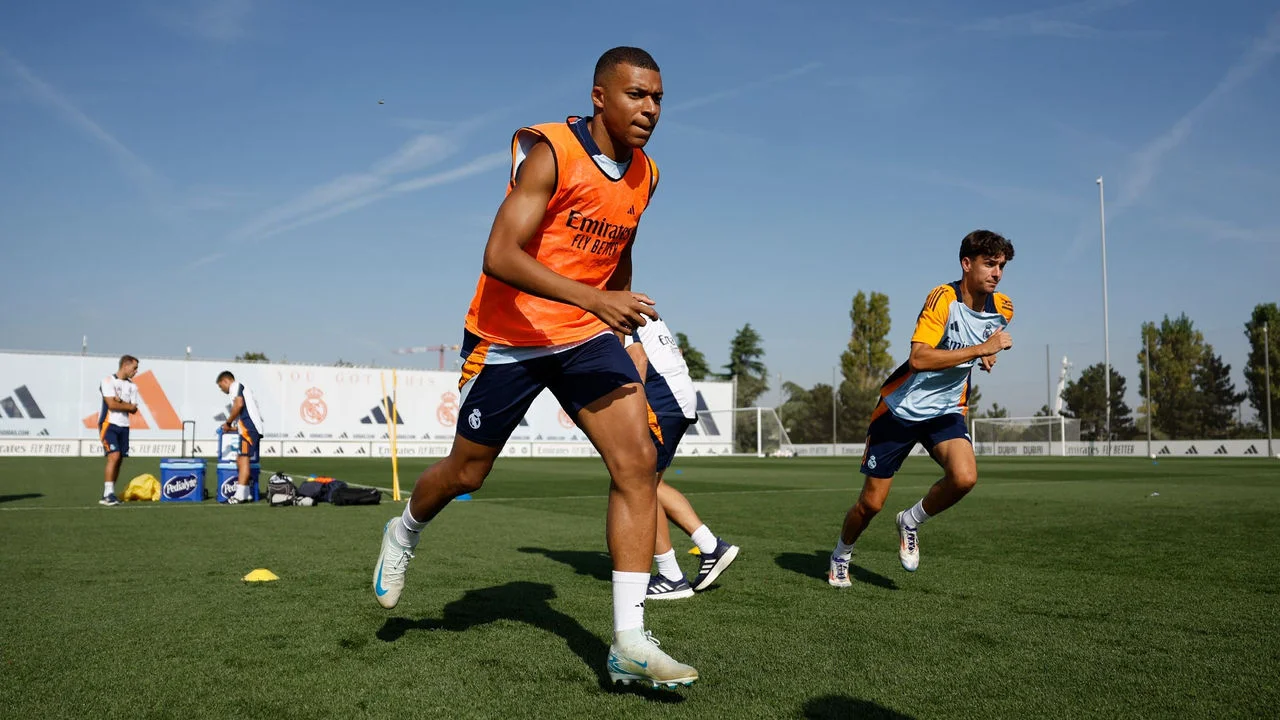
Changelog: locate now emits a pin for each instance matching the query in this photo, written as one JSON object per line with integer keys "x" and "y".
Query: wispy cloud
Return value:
{"x": 1010, "y": 194}
{"x": 1214, "y": 229}
{"x": 474, "y": 167}
{"x": 221, "y": 21}
{"x": 742, "y": 89}
{"x": 54, "y": 100}
{"x": 207, "y": 259}
{"x": 1146, "y": 162}
{"x": 419, "y": 152}
{"x": 1070, "y": 21}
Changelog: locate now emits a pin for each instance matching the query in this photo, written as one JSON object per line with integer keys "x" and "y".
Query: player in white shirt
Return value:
{"x": 119, "y": 401}
{"x": 673, "y": 403}
{"x": 962, "y": 326}
{"x": 245, "y": 419}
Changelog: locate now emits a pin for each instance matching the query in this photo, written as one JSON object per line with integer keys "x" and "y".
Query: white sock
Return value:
{"x": 704, "y": 539}
{"x": 407, "y": 530}
{"x": 109, "y": 489}
{"x": 628, "y": 600}
{"x": 916, "y": 516}
{"x": 842, "y": 551}
{"x": 667, "y": 565}
{"x": 242, "y": 492}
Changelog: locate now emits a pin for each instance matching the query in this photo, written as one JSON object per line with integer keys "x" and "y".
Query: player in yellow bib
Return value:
{"x": 961, "y": 326}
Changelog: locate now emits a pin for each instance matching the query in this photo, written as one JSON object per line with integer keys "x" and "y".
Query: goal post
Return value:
{"x": 745, "y": 431}
{"x": 1040, "y": 435}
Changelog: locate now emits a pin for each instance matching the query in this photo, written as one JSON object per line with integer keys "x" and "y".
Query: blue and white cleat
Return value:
{"x": 908, "y": 546}
{"x": 388, "y": 575}
{"x": 636, "y": 657}
{"x": 714, "y": 563}
{"x": 110, "y": 500}
{"x": 660, "y": 588}
{"x": 838, "y": 576}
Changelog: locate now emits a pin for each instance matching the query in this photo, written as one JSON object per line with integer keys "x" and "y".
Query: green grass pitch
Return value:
{"x": 1059, "y": 588}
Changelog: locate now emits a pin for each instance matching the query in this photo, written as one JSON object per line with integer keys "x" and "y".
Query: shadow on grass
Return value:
{"x": 818, "y": 564}
{"x": 844, "y": 707}
{"x": 592, "y": 563}
{"x": 528, "y": 603}
{"x": 23, "y": 496}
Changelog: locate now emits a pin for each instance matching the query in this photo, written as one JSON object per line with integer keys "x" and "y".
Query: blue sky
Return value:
{"x": 220, "y": 173}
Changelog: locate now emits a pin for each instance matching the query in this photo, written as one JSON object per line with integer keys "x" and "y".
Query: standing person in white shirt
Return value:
{"x": 119, "y": 401}
{"x": 673, "y": 405}
{"x": 245, "y": 419}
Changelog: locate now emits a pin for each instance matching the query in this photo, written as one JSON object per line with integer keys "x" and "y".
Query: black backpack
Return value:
{"x": 347, "y": 495}
{"x": 313, "y": 490}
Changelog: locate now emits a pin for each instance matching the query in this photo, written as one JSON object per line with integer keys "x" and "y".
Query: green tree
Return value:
{"x": 252, "y": 357}
{"x": 747, "y": 369}
{"x": 1218, "y": 401}
{"x": 1177, "y": 350}
{"x": 1255, "y": 377}
{"x": 806, "y": 414}
{"x": 344, "y": 363}
{"x": 864, "y": 364}
{"x": 1084, "y": 400}
{"x": 693, "y": 357}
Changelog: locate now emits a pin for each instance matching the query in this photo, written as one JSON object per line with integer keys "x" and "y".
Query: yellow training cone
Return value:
{"x": 261, "y": 575}
{"x": 694, "y": 550}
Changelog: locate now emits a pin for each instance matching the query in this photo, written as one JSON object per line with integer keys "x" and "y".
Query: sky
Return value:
{"x": 316, "y": 180}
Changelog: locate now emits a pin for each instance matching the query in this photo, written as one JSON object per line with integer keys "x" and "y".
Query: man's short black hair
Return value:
{"x": 226, "y": 375}
{"x": 623, "y": 55}
{"x": 126, "y": 359}
{"x": 985, "y": 242}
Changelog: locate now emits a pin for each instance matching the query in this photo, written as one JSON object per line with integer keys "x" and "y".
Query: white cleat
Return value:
{"x": 388, "y": 575}
{"x": 838, "y": 576}
{"x": 908, "y": 546}
{"x": 635, "y": 656}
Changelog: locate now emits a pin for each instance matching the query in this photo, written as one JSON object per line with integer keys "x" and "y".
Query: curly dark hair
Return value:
{"x": 985, "y": 242}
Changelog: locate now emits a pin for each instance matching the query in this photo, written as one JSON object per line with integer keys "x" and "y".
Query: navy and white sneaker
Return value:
{"x": 660, "y": 588}
{"x": 110, "y": 500}
{"x": 714, "y": 563}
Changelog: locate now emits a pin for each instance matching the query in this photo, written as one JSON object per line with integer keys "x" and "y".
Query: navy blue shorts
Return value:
{"x": 666, "y": 431}
{"x": 115, "y": 439}
{"x": 890, "y": 440}
{"x": 250, "y": 441}
{"x": 496, "y": 397}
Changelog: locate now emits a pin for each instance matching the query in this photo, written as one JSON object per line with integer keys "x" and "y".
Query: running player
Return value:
{"x": 673, "y": 404}
{"x": 962, "y": 325}
{"x": 555, "y": 286}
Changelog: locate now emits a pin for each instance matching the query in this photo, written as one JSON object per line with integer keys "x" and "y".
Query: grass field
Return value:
{"x": 1059, "y": 588}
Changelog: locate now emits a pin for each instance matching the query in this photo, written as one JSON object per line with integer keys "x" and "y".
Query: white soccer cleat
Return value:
{"x": 635, "y": 656}
{"x": 838, "y": 575}
{"x": 388, "y": 575}
{"x": 908, "y": 545}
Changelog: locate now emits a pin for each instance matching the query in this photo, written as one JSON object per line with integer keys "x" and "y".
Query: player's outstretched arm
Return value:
{"x": 924, "y": 357}
{"x": 518, "y": 219}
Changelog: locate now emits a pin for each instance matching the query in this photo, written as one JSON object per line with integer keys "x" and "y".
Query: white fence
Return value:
{"x": 49, "y": 407}
{"x": 1159, "y": 448}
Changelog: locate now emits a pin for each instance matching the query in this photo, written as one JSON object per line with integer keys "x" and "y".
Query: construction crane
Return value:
{"x": 428, "y": 349}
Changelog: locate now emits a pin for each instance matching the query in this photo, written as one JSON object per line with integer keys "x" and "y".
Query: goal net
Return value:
{"x": 744, "y": 431}
{"x": 1025, "y": 435}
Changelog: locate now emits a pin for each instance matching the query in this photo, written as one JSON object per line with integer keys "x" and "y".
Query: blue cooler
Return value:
{"x": 182, "y": 480}
{"x": 227, "y": 476}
